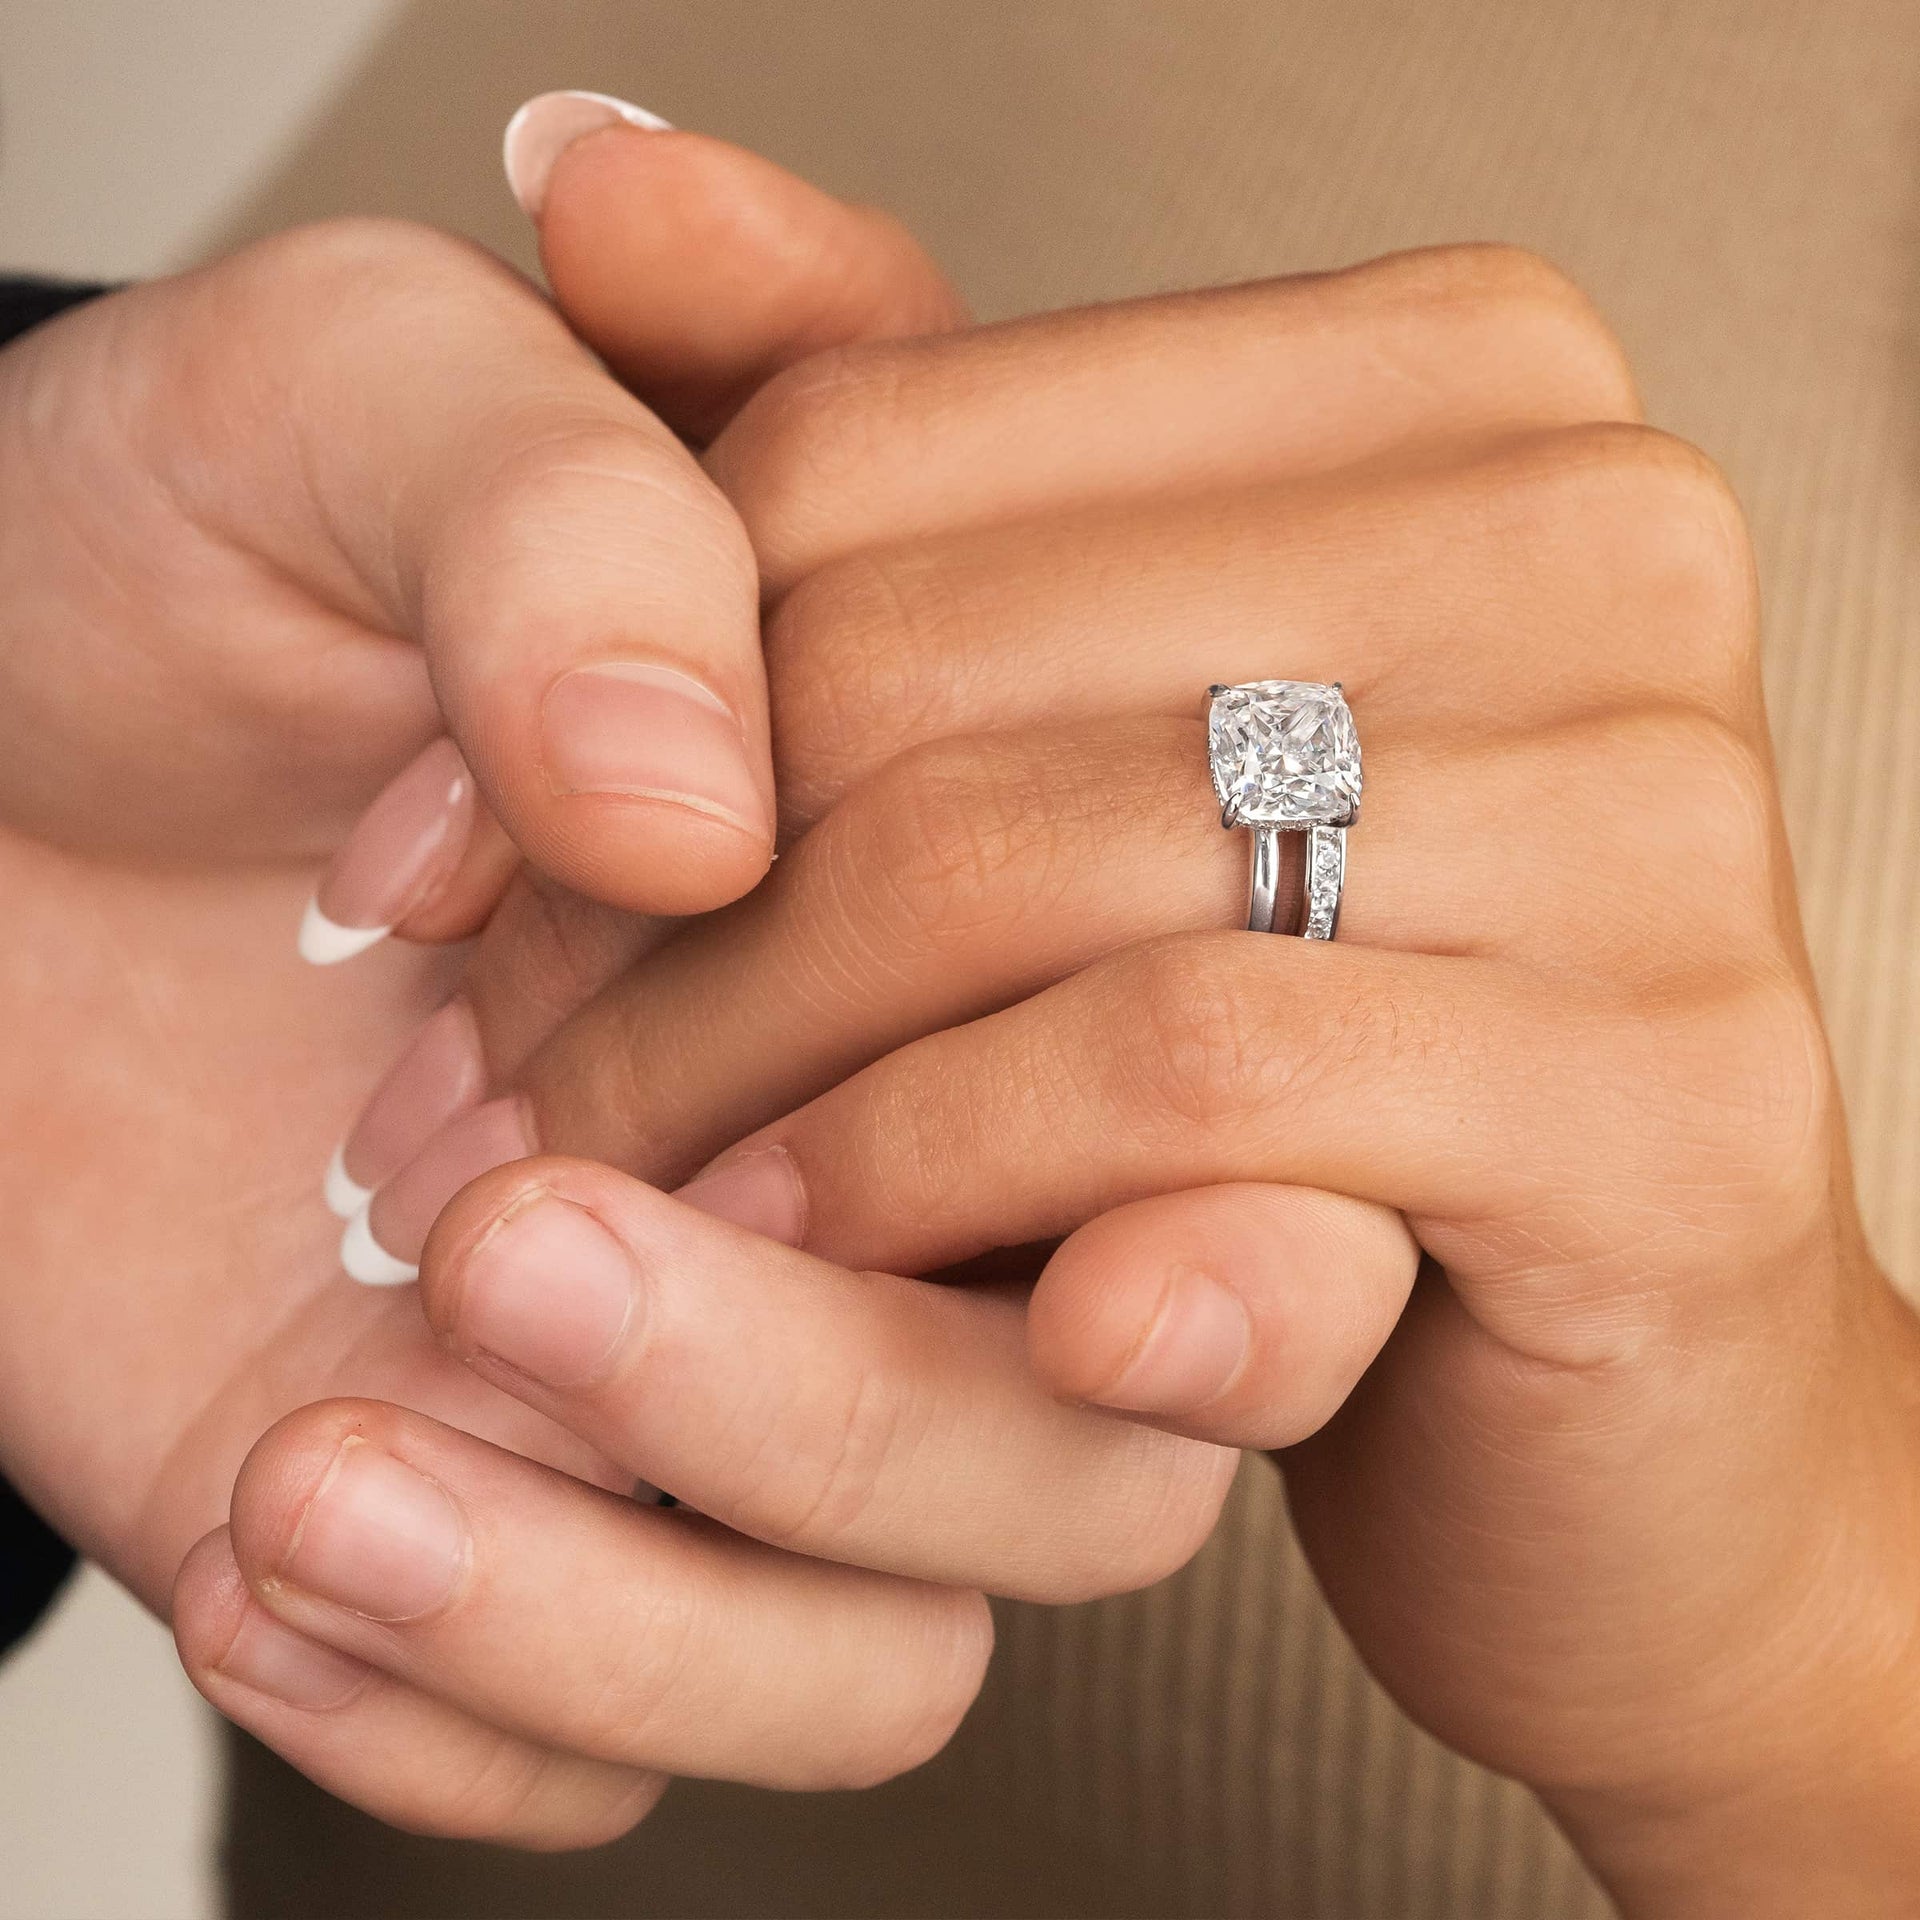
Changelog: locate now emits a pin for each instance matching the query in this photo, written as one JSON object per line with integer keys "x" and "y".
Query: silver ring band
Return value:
{"x": 1322, "y": 881}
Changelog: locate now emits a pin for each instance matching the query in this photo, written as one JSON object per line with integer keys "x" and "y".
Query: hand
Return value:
{"x": 1624, "y": 1503}
{"x": 238, "y": 510}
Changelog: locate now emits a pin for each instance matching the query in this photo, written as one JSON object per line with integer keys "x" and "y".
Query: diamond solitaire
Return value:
{"x": 1284, "y": 754}
{"x": 1285, "y": 758}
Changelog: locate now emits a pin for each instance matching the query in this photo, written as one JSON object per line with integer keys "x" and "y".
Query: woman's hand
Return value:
{"x": 1621, "y": 1496}
{"x": 242, "y": 514}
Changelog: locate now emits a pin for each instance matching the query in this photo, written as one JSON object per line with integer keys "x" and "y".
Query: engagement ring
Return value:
{"x": 1285, "y": 759}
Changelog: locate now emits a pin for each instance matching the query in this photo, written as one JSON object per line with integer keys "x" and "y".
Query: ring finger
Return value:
{"x": 969, "y": 875}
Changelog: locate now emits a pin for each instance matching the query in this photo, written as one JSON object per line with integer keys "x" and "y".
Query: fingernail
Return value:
{"x": 344, "y": 1195}
{"x": 440, "y": 1074}
{"x": 627, "y": 727}
{"x": 1193, "y": 1350}
{"x": 285, "y": 1665}
{"x": 381, "y": 1247}
{"x": 364, "y": 1259}
{"x": 404, "y": 847}
{"x": 761, "y": 1190}
{"x": 550, "y": 1291}
{"x": 547, "y": 125}
{"x": 377, "y": 1537}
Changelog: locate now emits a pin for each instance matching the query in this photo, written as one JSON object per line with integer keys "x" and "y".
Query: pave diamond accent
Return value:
{"x": 1283, "y": 753}
{"x": 1326, "y": 872}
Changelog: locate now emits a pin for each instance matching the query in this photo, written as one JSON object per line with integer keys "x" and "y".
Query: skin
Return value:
{"x": 1647, "y": 1390}
{"x": 1528, "y": 1201}
{"x": 290, "y": 511}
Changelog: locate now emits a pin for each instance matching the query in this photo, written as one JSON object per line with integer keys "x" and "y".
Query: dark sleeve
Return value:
{"x": 34, "y": 1560}
{"x": 25, "y": 303}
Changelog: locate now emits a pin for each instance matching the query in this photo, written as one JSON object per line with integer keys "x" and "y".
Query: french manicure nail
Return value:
{"x": 1193, "y": 1350}
{"x": 550, "y": 1291}
{"x": 550, "y": 123}
{"x": 285, "y": 1665}
{"x": 649, "y": 732}
{"x": 440, "y": 1074}
{"x": 381, "y": 1247}
{"x": 364, "y": 1259}
{"x": 378, "y": 1537}
{"x": 344, "y": 1195}
{"x": 405, "y": 846}
{"x": 760, "y": 1190}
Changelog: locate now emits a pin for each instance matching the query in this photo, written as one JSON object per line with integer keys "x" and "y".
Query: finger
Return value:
{"x": 696, "y": 269}
{"x": 1243, "y": 1314}
{"x": 545, "y": 951}
{"x": 1616, "y": 548}
{"x": 386, "y": 1747}
{"x": 894, "y": 1424}
{"x": 1425, "y": 1085}
{"x": 426, "y": 860}
{"x": 967, "y": 875}
{"x": 1202, "y": 391}
{"x": 457, "y": 469}
{"x": 581, "y": 1622}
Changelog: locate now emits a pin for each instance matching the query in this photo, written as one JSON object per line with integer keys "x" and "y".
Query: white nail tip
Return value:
{"x": 548, "y": 124}
{"x": 367, "y": 1261}
{"x": 325, "y": 943}
{"x": 632, "y": 115}
{"x": 345, "y": 1195}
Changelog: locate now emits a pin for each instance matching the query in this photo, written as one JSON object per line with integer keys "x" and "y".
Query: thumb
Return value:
{"x": 696, "y": 269}
{"x": 1242, "y": 1314}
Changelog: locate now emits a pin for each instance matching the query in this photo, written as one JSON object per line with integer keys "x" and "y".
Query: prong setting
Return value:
{"x": 1285, "y": 758}
{"x": 1283, "y": 753}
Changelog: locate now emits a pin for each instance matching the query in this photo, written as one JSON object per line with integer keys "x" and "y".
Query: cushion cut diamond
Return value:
{"x": 1283, "y": 754}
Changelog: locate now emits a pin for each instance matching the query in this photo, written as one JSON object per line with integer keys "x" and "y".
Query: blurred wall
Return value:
{"x": 128, "y": 126}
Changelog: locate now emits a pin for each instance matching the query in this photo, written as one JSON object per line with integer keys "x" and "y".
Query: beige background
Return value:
{"x": 1736, "y": 182}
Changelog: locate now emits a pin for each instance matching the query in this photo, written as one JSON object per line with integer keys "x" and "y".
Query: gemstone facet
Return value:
{"x": 1283, "y": 754}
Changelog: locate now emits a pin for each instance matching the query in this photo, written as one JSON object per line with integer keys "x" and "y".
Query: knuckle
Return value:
{"x": 313, "y": 296}
{"x": 840, "y": 648}
{"x": 1752, "y": 1089}
{"x": 798, "y": 445}
{"x": 1666, "y": 525}
{"x": 543, "y": 953}
{"x": 561, "y": 479}
{"x": 357, "y": 258}
{"x": 252, "y": 328}
{"x": 1193, "y": 1048}
{"x": 522, "y": 1796}
{"x": 953, "y": 1643}
{"x": 936, "y": 847}
{"x": 631, "y": 1685}
{"x": 1712, "y": 786}
{"x": 837, "y": 1456}
{"x": 1528, "y": 304}
{"x": 1164, "y": 1505}
{"x": 597, "y": 1818}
